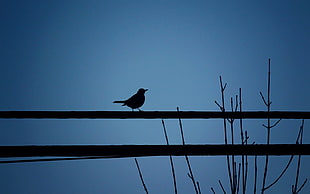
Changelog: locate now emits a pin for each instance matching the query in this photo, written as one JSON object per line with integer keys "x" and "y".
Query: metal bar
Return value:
{"x": 117, "y": 151}
{"x": 152, "y": 115}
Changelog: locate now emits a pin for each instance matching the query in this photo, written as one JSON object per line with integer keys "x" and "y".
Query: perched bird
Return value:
{"x": 135, "y": 101}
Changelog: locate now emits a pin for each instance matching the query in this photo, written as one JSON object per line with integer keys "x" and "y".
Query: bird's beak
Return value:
{"x": 146, "y": 89}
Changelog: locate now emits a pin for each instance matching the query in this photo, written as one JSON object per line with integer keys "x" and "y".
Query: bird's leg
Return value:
{"x": 140, "y": 110}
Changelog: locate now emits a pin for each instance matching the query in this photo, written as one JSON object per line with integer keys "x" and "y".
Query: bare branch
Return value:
{"x": 222, "y": 187}
{"x": 302, "y": 186}
{"x": 255, "y": 174}
{"x": 191, "y": 175}
{"x": 236, "y": 103}
{"x": 221, "y": 108}
{"x": 198, "y": 185}
{"x": 238, "y": 179}
{"x": 276, "y": 123}
{"x": 141, "y": 177}
{"x": 282, "y": 173}
{"x": 171, "y": 160}
{"x": 268, "y": 104}
{"x": 212, "y": 190}
{"x": 181, "y": 128}
{"x": 272, "y": 126}
{"x": 225, "y": 131}
{"x": 300, "y": 137}
{"x": 244, "y": 169}
{"x": 265, "y": 102}
{"x": 300, "y": 134}
{"x": 222, "y": 87}
{"x": 233, "y": 163}
{"x": 246, "y": 139}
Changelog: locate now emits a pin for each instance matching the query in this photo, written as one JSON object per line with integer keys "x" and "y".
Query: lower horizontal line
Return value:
{"x": 119, "y": 151}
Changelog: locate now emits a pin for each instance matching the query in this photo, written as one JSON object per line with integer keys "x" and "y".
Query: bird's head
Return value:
{"x": 142, "y": 90}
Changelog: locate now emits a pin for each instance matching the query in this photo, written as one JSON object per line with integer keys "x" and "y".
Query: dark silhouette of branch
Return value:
{"x": 300, "y": 133}
{"x": 171, "y": 161}
{"x": 198, "y": 186}
{"x": 141, "y": 177}
{"x": 281, "y": 174}
{"x": 190, "y": 174}
{"x": 222, "y": 107}
{"x": 212, "y": 190}
{"x": 222, "y": 187}
{"x": 295, "y": 189}
{"x": 238, "y": 179}
{"x": 298, "y": 141}
{"x": 272, "y": 126}
{"x": 234, "y": 172}
{"x": 302, "y": 186}
{"x": 244, "y": 170}
{"x": 264, "y": 100}
{"x": 246, "y": 164}
{"x": 255, "y": 174}
{"x": 181, "y": 128}
{"x": 268, "y": 104}
{"x": 244, "y": 140}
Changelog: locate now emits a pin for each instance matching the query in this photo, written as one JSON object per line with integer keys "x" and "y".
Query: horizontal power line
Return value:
{"x": 122, "y": 151}
{"x": 152, "y": 115}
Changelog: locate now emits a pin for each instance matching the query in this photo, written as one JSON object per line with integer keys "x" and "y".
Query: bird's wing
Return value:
{"x": 131, "y": 99}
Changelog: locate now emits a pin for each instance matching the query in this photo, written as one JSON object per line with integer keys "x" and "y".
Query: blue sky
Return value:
{"x": 83, "y": 55}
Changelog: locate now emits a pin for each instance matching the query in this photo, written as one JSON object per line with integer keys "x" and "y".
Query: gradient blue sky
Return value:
{"x": 83, "y": 55}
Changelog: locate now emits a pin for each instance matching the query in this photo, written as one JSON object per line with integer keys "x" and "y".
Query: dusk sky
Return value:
{"x": 83, "y": 55}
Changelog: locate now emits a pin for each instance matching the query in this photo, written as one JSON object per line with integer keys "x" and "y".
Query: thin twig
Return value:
{"x": 302, "y": 186}
{"x": 198, "y": 185}
{"x": 300, "y": 132}
{"x": 268, "y": 104}
{"x": 225, "y": 132}
{"x": 297, "y": 175}
{"x": 236, "y": 108}
{"x": 246, "y": 161}
{"x": 212, "y": 190}
{"x": 242, "y": 142}
{"x": 191, "y": 175}
{"x": 171, "y": 161}
{"x": 265, "y": 102}
{"x": 221, "y": 108}
{"x": 181, "y": 128}
{"x": 272, "y": 126}
{"x": 234, "y": 173}
{"x": 282, "y": 173}
{"x": 300, "y": 135}
{"x": 222, "y": 187}
{"x": 238, "y": 182}
{"x": 276, "y": 123}
{"x": 141, "y": 177}
{"x": 255, "y": 173}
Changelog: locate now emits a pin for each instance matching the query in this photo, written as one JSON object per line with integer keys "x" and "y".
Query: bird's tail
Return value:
{"x": 119, "y": 101}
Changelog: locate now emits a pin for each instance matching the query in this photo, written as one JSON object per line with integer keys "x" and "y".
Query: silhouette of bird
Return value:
{"x": 135, "y": 101}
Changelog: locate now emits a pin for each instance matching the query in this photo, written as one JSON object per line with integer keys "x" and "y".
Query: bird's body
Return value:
{"x": 135, "y": 101}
